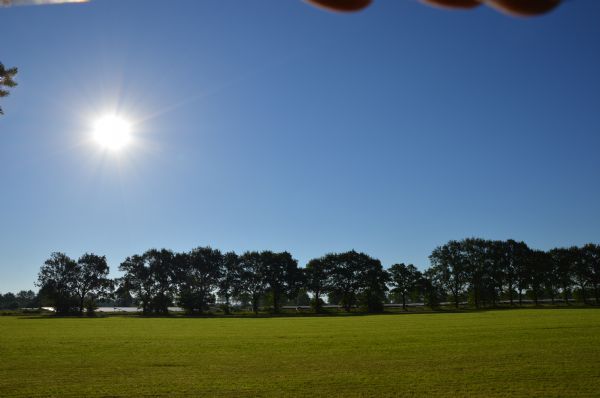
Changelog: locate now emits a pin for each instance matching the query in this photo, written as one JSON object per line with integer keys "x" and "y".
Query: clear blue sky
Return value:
{"x": 268, "y": 124}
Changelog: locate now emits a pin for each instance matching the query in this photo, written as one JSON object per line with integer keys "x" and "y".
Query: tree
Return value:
{"x": 581, "y": 268}
{"x": 137, "y": 280}
{"x": 151, "y": 278}
{"x": 344, "y": 279}
{"x": 316, "y": 279}
{"x": 253, "y": 282}
{"x": 281, "y": 275}
{"x": 449, "y": 269}
{"x": 357, "y": 278}
{"x": 163, "y": 275}
{"x": 9, "y": 301}
{"x": 563, "y": 264}
{"x": 230, "y": 280}
{"x": 201, "y": 270}
{"x": 373, "y": 284}
{"x": 57, "y": 279}
{"x": 551, "y": 280}
{"x": 591, "y": 255}
{"x": 122, "y": 297}
{"x": 6, "y": 80}
{"x": 404, "y": 279}
{"x": 476, "y": 257}
{"x": 514, "y": 261}
{"x": 92, "y": 278}
{"x": 27, "y": 299}
{"x": 540, "y": 265}
{"x": 432, "y": 288}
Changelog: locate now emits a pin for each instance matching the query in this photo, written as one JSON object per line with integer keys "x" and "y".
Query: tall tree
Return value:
{"x": 475, "y": 252}
{"x": 316, "y": 277}
{"x": 591, "y": 255}
{"x": 357, "y": 278}
{"x": 92, "y": 278}
{"x": 253, "y": 282}
{"x": 432, "y": 288}
{"x": 495, "y": 274}
{"x": 57, "y": 279}
{"x": 404, "y": 279}
{"x": 7, "y": 77}
{"x": 152, "y": 278}
{"x": 581, "y": 270}
{"x": 344, "y": 270}
{"x": 202, "y": 268}
{"x": 516, "y": 255}
{"x": 540, "y": 265}
{"x": 138, "y": 281}
{"x": 231, "y": 279}
{"x": 164, "y": 273}
{"x": 281, "y": 275}
{"x": 449, "y": 269}
{"x": 563, "y": 266}
{"x": 374, "y": 279}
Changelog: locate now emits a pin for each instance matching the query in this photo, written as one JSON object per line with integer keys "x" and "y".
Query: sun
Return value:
{"x": 112, "y": 132}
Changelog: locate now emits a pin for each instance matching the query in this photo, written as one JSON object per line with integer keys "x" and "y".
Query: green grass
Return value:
{"x": 529, "y": 353}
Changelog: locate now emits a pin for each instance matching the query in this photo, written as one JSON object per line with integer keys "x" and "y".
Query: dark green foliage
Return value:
{"x": 316, "y": 281}
{"x": 230, "y": 283}
{"x": 199, "y": 274}
{"x": 280, "y": 275}
{"x": 151, "y": 279}
{"x": 591, "y": 256}
{"x": 57, "y": 280}
{"x": 449, "y": 269}
{"x": 404, "y": 279}
{"x": 7, "y": 77}
{"x": 485, "y": 272}
{"x": 66, "y": 284}
{"x": 562, "y": 260}
{"x": 92, "y": 280}
{"x": 23, "y": 299}
{"x": 356, "y": 279}
{"x": 253, "y": 283}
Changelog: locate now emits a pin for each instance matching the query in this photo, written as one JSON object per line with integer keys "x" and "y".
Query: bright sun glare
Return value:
{"x": 112, "y": 132}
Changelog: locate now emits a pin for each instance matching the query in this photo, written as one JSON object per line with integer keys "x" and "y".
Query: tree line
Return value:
{"x": 479, "y": 272}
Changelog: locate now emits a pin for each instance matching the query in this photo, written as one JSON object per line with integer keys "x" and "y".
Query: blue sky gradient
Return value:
{"x": 268, "y": 124}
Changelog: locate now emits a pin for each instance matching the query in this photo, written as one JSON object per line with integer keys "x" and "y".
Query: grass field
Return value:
{"x": 533, "y": 353}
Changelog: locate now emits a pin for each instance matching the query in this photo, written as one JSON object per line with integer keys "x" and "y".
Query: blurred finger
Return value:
{"x": 523, "y": 8}
{"x": 464, "y": 4}
{"x": 341, "y": 5}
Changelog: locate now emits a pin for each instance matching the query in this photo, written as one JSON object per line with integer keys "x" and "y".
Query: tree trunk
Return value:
{"x": 404, "y": 301}
{"x": 456, "y": 303}
{"x": 317, "y": 301}
{"x": 566, "y": 294}
{"x": 510, "y": 293}
{"x": 275, "y": 302}
{"x": 583, "y": 294}
{"x": 227, "y": 304}
{"x": 255, "y": 303}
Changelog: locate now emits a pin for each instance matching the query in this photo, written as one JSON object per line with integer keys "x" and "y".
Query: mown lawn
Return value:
{"x": 532, "y": 353}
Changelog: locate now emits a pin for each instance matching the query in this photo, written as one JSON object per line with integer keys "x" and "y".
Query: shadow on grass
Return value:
{"x": 326, "y": 314}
